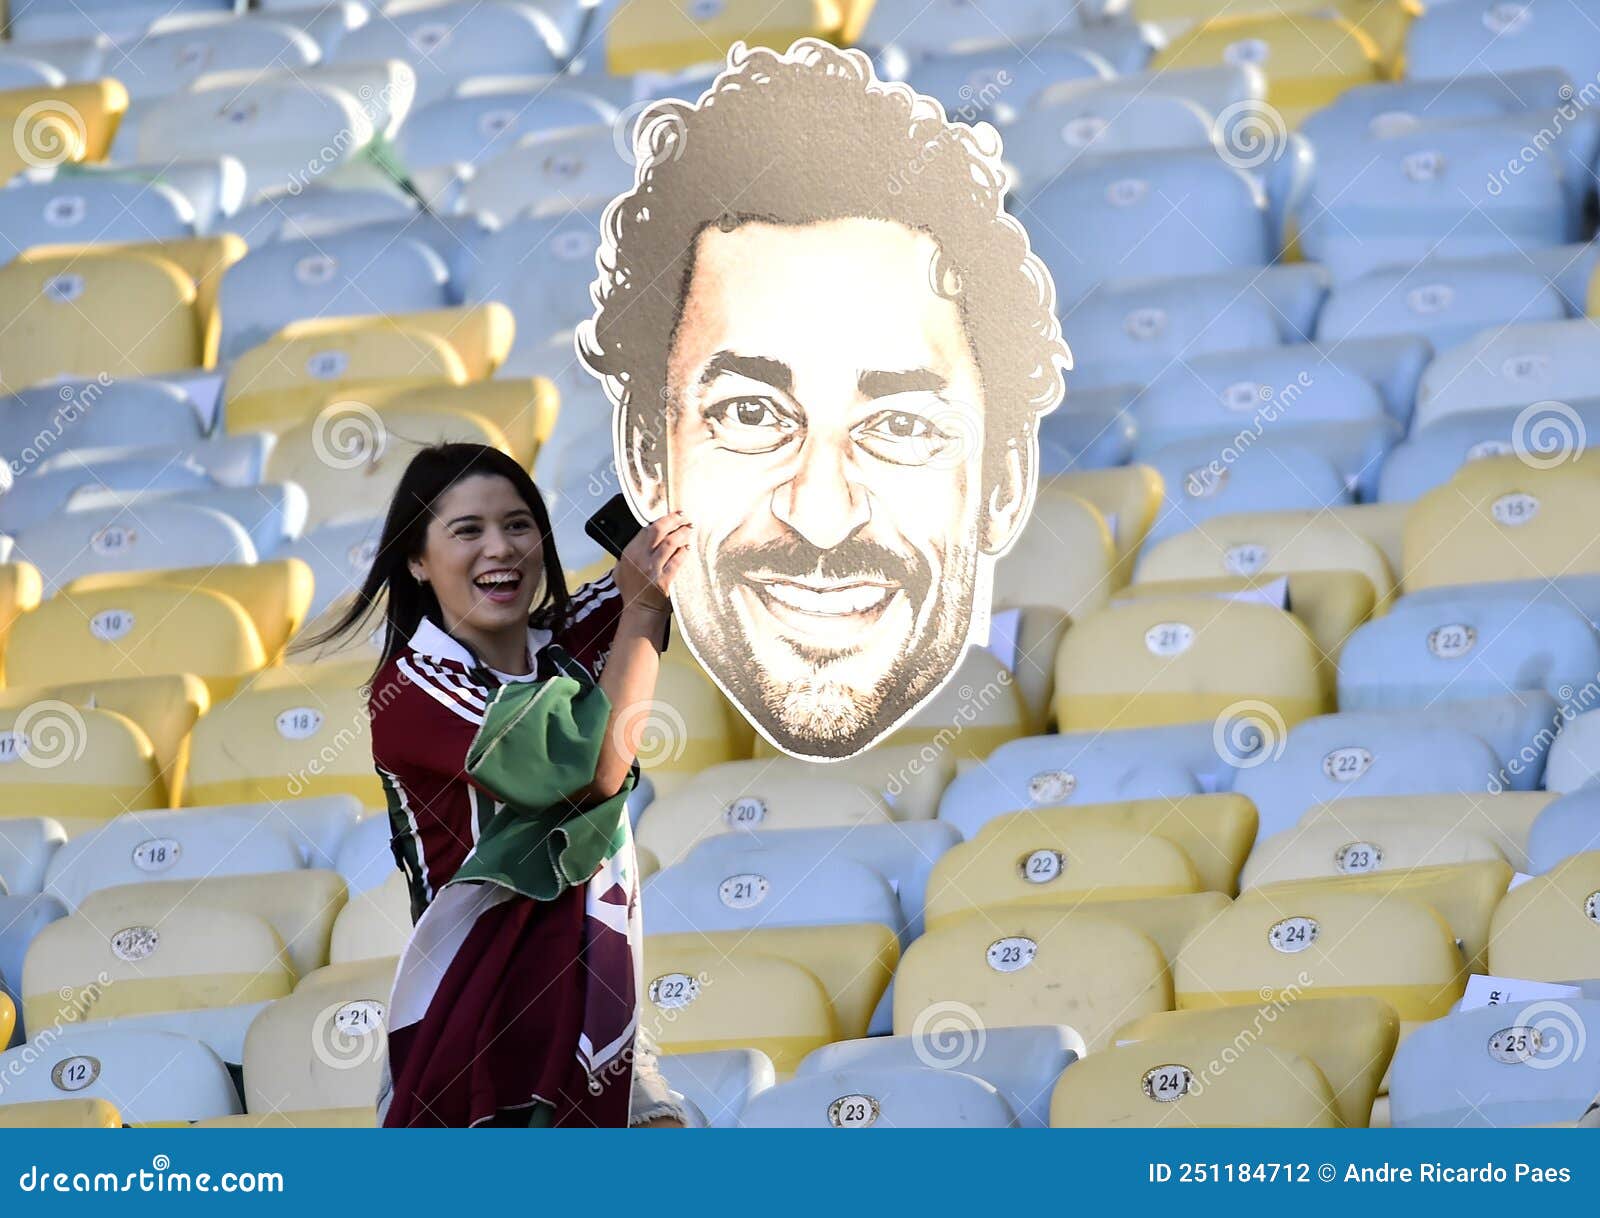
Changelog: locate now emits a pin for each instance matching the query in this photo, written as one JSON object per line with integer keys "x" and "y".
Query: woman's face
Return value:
{"x": 483, "y": 557}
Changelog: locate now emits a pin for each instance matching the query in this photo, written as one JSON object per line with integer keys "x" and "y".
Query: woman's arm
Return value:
{"x": 644, "y": 577}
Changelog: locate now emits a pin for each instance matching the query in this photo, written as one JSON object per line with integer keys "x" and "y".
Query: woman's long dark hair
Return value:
{"x": 432, "y": 472}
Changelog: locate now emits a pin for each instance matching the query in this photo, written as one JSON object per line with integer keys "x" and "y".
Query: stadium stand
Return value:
{"x": 1301, "y": 717}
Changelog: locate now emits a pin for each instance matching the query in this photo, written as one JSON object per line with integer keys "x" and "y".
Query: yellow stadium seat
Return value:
{"x": 275, "y": 594}
{"x": 1465, "y": 896}
{"x": 1037, "y": 569}
{"x": 698, "y": 1001}
{"x": 978, "y": 710}
{"x": 117, "y": 314}
{"x": 79, "y": 766}
{"x": 1548, "y": 928}
{"x": 1505, "y": 819}
{"x": 1322, "y": 943}
{"x": 60, "y": 1114}
{"x": 1500, "y": 519}
{"x": 1128, "y": 497}
{"x": 1019, "y": 866}
{"x": 1383, "y": 524}
{"x": 20, "y": 590}
{"x": 203, "y": 259}
{"x": 1350, "y": 1039}
{"x": 284, "y": 743}
{"x": 1163, "y": 660}
{"x": 481, "y": 334}
{"x": 321, "y": 1047}
{"x": 376, "y": 924}
{"x": 1261, "y": 547}
{"x": 312, "y": 1118}
{"x": 910, "y": 779}
{"x": 1329, "y": 604}
{"x": 301, "y": 906}
{"x": 200, "y": 959}
{"x": 1181, "y": 1083}
{"x": 164, "y": 708}
{"x": 8, "y": 1018}
{"x": 663, "y": 36}
{"x": 692, "y": 727}
{"x": 354, "y": 657}
{"x": 1215, "y": 832}
{"x": 523, "y": 408}
{"x": 1309, "y": 59}
{"x": 1329, "y": 850}
{"x": 1033, "y": 966}
{"x": 349, "y": 459}
{"x": 1040, "y": 629}
{"x": 56, "y": 124}
{"x": 727, "y": 799}
{"x": 344, "y": 358}
{"x": 134, "y": 631}
{"x": 852, "y": 962}
{"x": 1384, "y": 21}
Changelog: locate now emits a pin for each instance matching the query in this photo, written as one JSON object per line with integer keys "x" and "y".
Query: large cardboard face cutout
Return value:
{"x": 829, "y": 346}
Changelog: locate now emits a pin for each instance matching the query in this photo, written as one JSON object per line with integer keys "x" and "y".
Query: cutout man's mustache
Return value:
{"x": 795, "y": 558}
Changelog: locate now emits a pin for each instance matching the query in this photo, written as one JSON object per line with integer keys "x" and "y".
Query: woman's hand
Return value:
{"x": 644, "y": 571}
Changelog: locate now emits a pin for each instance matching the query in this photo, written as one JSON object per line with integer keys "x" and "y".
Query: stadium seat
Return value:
{"x": 270, "y": 514}
{"x": 1573, "y": 757}
{"x": 167, "y": 61}
{"x": 338, "y": 556}
{"x": 26, "y": 846}
{"x": 60, "y": 1114}
{"x": 202, "y": 960}
{"x": 1567, "y": 826}
{"x": 89, "y": 414}
{"x": 80, "y": 766}
{"x": 719, "y": 1083}
{"x": 300, "y": 905}
{"x": 1498, "y": 1067}
{"x": 1161, "y": 660}
{"x": 1548, "y": 929}
{"x": 364, "y": 1116}
{"x": 1027, "y": 967}
{"x": 1498, "y": 519}
{"x": 1129, "y": 332}
{"x": 365, "y": 858}
{"x": 1272, "y": 944}
{"x": 912, "y": 1097}
{"x": 1022, "y": 865}
{"x": 97, "y": 208}
{"x": 1212, "y": 833}
{"x": 321, "y": 1047}
{"x": 1327, "y": 850}
{"x": 341, "y": 275}
{"x": 783, "y": 991}
{"x": 148, "y": 1077}
{"x": 322, "y": 211}
{"x": 1445, "y": 649}
{"x": 1141, "y": 215}
{"x": 1445, "y": 302}
{"x": 1504, "y": 817}
{"x": 1489, "y": 36}
{"x": 1432, "y": 455}
{"x": 131, "y": 631}
{"x": 1511, "y": 366}
{"x": 970, "y": 83}
{"x": 153, "y": 535}
{"x": 23, "y": 918}
{"x": 722, "y": 800}
{"x": 118, "y": 315}
{"x": 284, "y": 743}
{"x": 448, "y": 42}
{"x": 1165, "y": 1083}
{"x": 1248, "y": 472}
{"x": 700, "y": 894}
{"x": 978, "y": 709}
{"x": 472, "y": 127}
{"x": 558, "y": 171}
{"x": 375, "y": 925}
{"x": 480, "y": 334}
{"x": 540, "y": 267}
{"x": 1350, "y": 1040}
{"x": 1337, "y": 756}
{"x": 1031, "y": 572}
{"x": 949, "y": 24}
{"x": 1068, "y": 129}
{"x": 57, "y": 124}
{"x": 1021, "y": 1063}
{"x": 158, "y": 847}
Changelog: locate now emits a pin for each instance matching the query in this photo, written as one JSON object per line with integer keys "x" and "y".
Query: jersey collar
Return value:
{"x": 431, "y": 641}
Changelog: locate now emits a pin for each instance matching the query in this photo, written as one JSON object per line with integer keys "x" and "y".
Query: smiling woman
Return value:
{"x": 506, "y": 714}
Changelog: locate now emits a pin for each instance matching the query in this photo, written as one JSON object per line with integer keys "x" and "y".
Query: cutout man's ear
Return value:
{"x": 643, "y": 462}
{"x": 1008, "y": 494}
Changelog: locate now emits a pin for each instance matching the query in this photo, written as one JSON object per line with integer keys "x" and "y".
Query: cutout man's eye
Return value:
{"x": 903, "y": 438}
{"x": 749, "y": 424}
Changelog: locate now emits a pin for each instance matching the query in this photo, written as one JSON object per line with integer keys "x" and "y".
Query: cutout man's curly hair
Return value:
{"x": 805, "y": 137}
